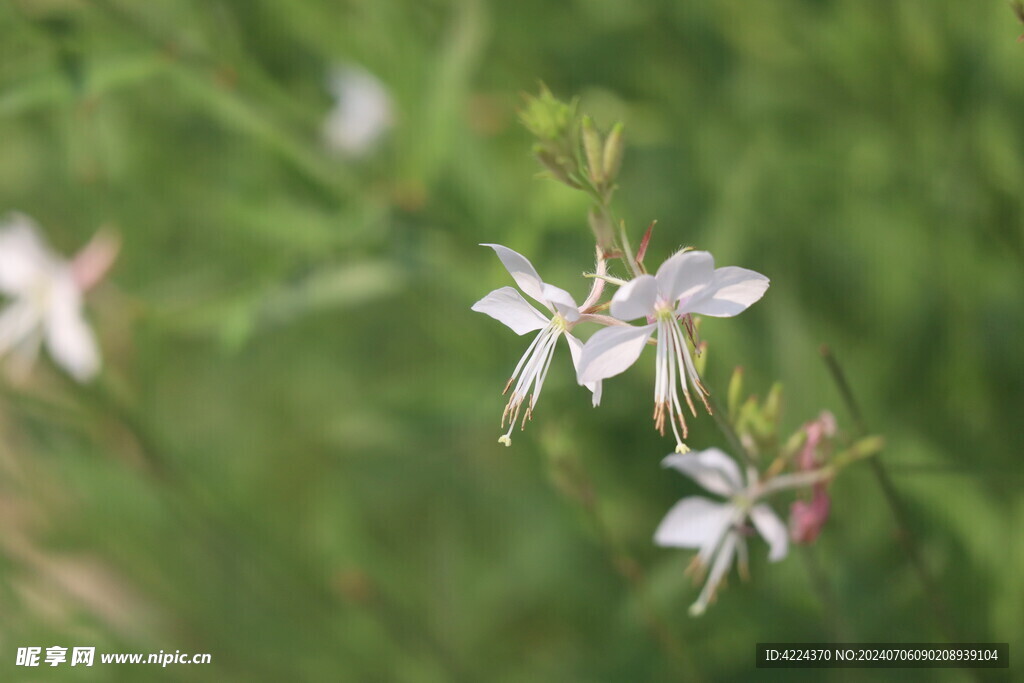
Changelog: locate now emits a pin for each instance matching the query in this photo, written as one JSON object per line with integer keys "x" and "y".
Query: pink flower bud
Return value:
{"x": 807, "y": 517}
{"x": 817, "y": 431}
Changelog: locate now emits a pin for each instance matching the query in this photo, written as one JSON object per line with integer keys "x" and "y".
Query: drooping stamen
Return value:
{"x": 529, "y": 377}
{"x": 691, "y": 370}
{"x": 674, "y": 371}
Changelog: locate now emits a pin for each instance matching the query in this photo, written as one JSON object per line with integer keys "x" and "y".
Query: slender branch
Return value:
{"x": 570, "y": 479}
{"x": 895, "y": 503}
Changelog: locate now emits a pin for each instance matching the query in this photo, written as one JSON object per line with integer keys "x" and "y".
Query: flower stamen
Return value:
{"x": 529, "y": 376}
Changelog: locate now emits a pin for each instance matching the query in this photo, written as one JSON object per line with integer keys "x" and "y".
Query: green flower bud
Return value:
{"x": 546, "y": 116}
{"x": 862, "y": 448}
{"x": 592, "y": 147}
{"x": 554, "y": 166}
{"x": 773, "y": 404}
{"x": 613, "y": 148}
{"x": 735, "y": 393}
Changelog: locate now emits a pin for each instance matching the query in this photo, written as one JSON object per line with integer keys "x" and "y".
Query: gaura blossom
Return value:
{"x": 362, "y": 114}
{"x": 719, "y": 530}
{"x": 686, "y": 283}
{"x": 45, "y": 298}
{"x": 507, "y": 306}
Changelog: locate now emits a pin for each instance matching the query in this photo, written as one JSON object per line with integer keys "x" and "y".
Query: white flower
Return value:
{"x": 362, "y": 114}
{"x": 506, "y": 305}
{"x": 688, "y": 282}
{"x": 718, "y": 529}
{"x": 45, "y": 293}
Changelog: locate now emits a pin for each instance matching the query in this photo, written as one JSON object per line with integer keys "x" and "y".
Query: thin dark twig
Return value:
{"x": 896, "y": 505}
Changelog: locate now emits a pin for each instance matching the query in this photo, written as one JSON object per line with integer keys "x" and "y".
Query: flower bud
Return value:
{"x": 863, "y": 448}
{"x": 806, "y": 518}
{"x": 773, "y": 404}
{"x": 613, "y": 147}
{"x": 557, "y": 170}
{"x": 547, "y": 117}
{"x": 735, "y": 393}
{"x": 592, "y": 148}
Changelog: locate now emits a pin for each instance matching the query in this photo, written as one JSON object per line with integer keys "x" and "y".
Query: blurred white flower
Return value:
{"x": 45, "y": 298}
{"x": 507, "y": 306}
{"x": 718, "y": 529}
{"x": 362, "y": 114}
{"x": 688, "y": 282}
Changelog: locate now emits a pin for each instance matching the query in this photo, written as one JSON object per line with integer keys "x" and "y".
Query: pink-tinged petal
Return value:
{"x": 694, "y": 522}
{"x": 576, "y": 350}
{"x": 91, "y": 264}
{"x": 685, "y": 274}
{"x": 772, "y": 530}
{"x": 521, "y": 270}
{"x": 508, "y": 306}
{"x": 635, "y": 299}
{"x": 733, "y": 291}
{"x": 712, "y": 469}
{"x": 23, "y": 254}
{"x": 68, "y": 337}
{"x": 561, "y": 301}
{"x": 611, "y": 351}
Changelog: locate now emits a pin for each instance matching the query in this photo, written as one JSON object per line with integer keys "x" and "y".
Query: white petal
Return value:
{"x": 712, "y": 469}
{"x": 17, "y": 322}
{"x": 68, "y": 337}
{"x": 732, "y": 292}
{"x": 693, "y": 523}
{"x": 24, "y": 256}
{"x": 363, "y": 112}
{"x": 685, "y": 274}
{"x": 561, "y": 301}
{"x": 508, "y": 306}
{"x": 772, "y": 530}
{"x": 576, "y": 350}
{"x": 611, "y": 351}
{"x": 521, "y": 270}
{"x": 635, "y": 299}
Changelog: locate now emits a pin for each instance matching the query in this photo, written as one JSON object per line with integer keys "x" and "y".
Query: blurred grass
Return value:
{"x": 291, "y": 331}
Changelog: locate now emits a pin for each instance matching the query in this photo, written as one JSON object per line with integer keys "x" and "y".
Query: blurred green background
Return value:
{"x": 288, "y": 332}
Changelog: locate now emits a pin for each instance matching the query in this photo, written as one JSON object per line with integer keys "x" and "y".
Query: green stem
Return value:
{"x": 894, "y": 501}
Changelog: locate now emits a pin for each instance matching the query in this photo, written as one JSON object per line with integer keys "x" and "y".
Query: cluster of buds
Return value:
{"x": 660, "y": 310}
